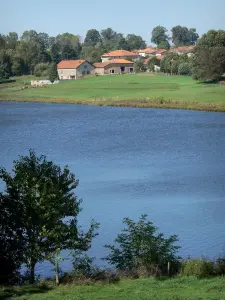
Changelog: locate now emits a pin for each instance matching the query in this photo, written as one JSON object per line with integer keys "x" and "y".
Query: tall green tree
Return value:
{"x": 159, "y": 35}
{"x": 12, "y": 241}
{"x": 135, "y": 42}
{"x": 182, "y": 36}
{"x": 5, "y": 65}
{"x": 208, "y": 62}
{"x": 92, "y": 37}
{"x": 53, "y": 74}
{"x": 140, "y": 245}
{"x": 50, "y": 208}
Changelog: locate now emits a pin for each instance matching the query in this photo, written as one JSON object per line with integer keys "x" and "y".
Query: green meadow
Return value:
{"x": 141, "y": 90}
{"x": 179, "y": 288}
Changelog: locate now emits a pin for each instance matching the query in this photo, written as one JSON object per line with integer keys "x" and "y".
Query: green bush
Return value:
{"x": 41, "y": 69}
{"x": 220, "y": 266}
{"x": 184, "y": 69}
{"x": 198, "y": 267}
{"x": 141, "y": 247}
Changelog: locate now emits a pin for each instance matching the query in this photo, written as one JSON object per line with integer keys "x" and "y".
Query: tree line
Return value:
{"x": 22, "y": 55}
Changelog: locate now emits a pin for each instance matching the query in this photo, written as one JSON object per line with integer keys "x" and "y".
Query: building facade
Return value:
{"x": 74, "y": 69}
{"x": 116, "y": 66}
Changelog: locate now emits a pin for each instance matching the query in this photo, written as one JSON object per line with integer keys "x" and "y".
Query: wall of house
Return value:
{"x": 105, "y": 59}
{"x": 117, "y": 68}
{"x": 100, "y": 71}
{"x": 85, "y": 69}
{"x": 66, "y": 74}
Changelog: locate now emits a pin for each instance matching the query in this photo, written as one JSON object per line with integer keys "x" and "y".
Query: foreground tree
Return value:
{"x": 208, "y": 62}
{"x": 139, "y": 245}
{"x": 53, "y": 73}
{"x": 139, "y": 65}
{"x": 135, "y": 42}
{"x": 50, "y": 208}
{"x": 12, "y": 242}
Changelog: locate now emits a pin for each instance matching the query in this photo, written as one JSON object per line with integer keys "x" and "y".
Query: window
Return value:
{"x": 88, "y": 72}
{"x": 85, "y": 66}
{"x": 83, "y": 72}
{"x": 112, "y": 71}
{"x": 131, "y": 70}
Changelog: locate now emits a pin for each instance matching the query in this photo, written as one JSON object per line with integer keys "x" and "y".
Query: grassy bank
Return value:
{"x": 188, "y": 288}
{"x": 124, "y": 90}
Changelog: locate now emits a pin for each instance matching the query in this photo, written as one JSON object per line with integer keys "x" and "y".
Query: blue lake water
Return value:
{"x": 169, "y": 164}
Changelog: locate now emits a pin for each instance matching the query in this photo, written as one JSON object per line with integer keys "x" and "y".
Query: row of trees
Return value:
{"x": 19, "y": 56}
{"x": 181, "y": 36}
{"x": 39, "y": 218}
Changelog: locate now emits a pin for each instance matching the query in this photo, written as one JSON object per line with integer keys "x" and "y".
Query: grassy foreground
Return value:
{"x": 124, "y": 90}
{"x": 184, "y": 288}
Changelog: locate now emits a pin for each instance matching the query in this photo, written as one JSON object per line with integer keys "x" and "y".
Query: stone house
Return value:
{"x": 74, "y": 69}
{"x": 114, "y": 66}
{"x": 150, "y": 51}
{"x": 120, "y": 54}
{"x": 183, "y": 50}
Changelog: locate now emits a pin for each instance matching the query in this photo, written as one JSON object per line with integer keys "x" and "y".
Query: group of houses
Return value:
{"x": 115, "y": 62}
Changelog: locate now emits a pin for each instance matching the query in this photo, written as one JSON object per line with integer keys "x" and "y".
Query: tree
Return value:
{"x": 184, "y": 69}
{"x": 193, "y": 36}
{"x": 139, "y": 65}
{"x": 108, "y": 34}
{"x": 182, "y": 36}
{"x": 12, "y": 241}
{"x": 159, "y": 35}
{"x": 135, "y": 42}
{"x": 92, "y": 37}
{"x": 164, "y": 45}
{"x": 139, "y": 245}
{"x": 152, "y": 63}
{"x": 5, "y": 65}
{"x": 50, "y": 208}
{"x": 123, "y": 44}
{"x": 208, "y": 62}
{"x": 42, "y": 69}
{"x": 53, "y": 73}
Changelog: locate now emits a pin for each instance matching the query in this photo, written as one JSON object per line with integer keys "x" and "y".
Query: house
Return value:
{"x": 114, "y": 66}
{"x": 183, "y": 50}
{"x": 150, "y": 51}
{"x": 73, "y": 69}
{"x": 120, "y": 54}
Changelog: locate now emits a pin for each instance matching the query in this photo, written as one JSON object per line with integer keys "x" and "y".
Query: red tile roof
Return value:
{"x": 148, "y": 50}
{"x": 119, "y": 53}
{"x": 112, "y": 61}
{"x": 70, "y": 64}
{"x": 161, "y": 51}
{"x": 183, "y": 48}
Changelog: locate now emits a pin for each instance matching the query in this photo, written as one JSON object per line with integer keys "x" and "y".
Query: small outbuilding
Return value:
{"x": 114, "y": 66}
{"x": 74, "y": 69}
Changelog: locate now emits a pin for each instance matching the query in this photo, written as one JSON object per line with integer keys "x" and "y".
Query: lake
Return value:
{"x": 169, "y": 164}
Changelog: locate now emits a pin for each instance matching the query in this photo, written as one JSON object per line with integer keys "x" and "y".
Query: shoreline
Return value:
{"x": 145, "y": 103}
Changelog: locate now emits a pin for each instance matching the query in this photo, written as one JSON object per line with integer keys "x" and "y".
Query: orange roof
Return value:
{"x": 70, "y": 64}
{"x": 160, "y": 51}
{"x": 119, "y": 53}
{"x": 148, "y": 50}
{"x": 183, "y": 48}
{"x": 112, "y": 61}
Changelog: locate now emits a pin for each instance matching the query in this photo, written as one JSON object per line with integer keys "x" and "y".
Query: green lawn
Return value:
{"x": 183, "y": 288}
{"x": 124, "y": 90}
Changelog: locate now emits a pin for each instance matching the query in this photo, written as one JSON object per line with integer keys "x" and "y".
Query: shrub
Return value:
{"x": 184, "y": 69}
{"x": 140, "y": 246}
{"x": 220, "y": 266}
{"x": 41, "y": 69}
{"x": 198, "y": 267}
